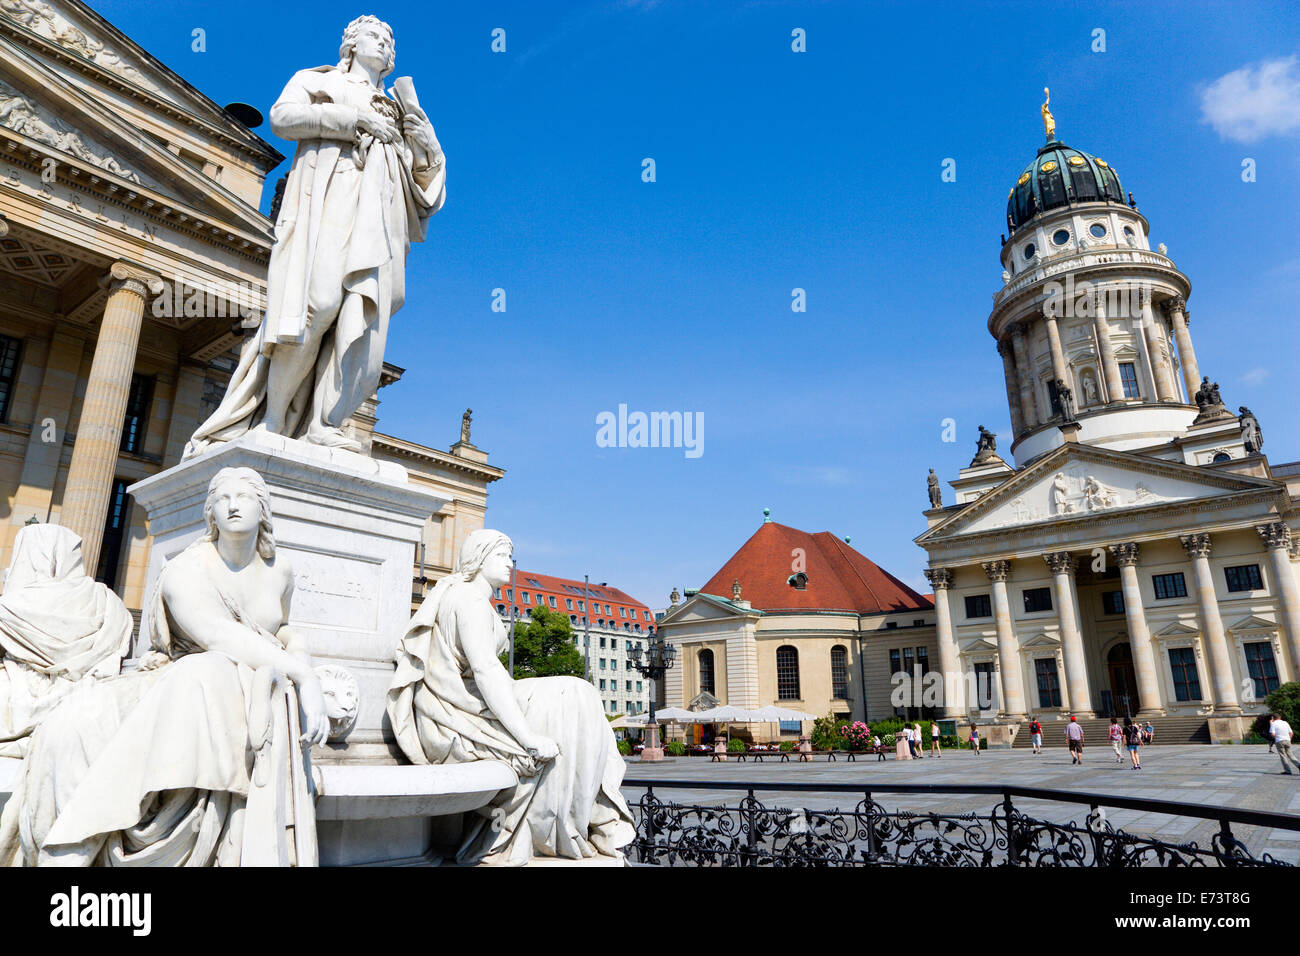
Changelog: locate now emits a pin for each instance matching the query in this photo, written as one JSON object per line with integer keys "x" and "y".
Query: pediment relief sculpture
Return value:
{"x": 20, "y": 114}
{"x": 43, "y": 20}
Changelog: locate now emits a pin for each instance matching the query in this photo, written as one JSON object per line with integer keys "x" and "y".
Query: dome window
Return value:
{"x": 1061, "y": 237}
{"x": 1098, "y": 230}
{"x": 1077, "y": 160}
{"x": 798, "y": 581}
{"x": 1048, "y": 166}
{"x": 1029, "y": 252}
{"x": 1222, "y": 456}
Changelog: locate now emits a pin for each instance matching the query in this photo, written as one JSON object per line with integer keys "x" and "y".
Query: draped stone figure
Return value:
{"x": 156, "y": 767}
{"x": 58, "y": 628}
{"x": 367, "y": 175}
{"x": 452, "y": 701}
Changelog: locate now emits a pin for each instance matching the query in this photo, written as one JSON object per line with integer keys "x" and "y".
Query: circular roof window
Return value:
{"x": 1097, "y": 229}
{"x": 1060, "y": 237}
{"x": 1077, "y": 161}
{"x": 1029, "y": 252}
{"x": 1048, "y": 166}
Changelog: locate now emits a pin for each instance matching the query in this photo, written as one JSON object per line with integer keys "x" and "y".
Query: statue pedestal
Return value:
{"x": 349, "y": 525}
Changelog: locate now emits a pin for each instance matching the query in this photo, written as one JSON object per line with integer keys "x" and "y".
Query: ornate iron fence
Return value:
{"x": 752, "y": 833}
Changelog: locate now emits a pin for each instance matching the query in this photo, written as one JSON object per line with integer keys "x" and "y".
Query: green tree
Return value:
{"x": 544, "y": 646}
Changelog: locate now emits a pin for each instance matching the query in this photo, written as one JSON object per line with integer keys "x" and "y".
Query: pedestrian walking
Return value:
{"x": 1133, "y": 740}
{"x": 1116, "y": 735}
{"x": 934, "y": 739}
{"x": 1280, "y": 731}
{"x": 920, "y": 740}
{"x": 975, "y": 739}
{"x": 1074, "y": 739}
{"x": 1036, "y": 735}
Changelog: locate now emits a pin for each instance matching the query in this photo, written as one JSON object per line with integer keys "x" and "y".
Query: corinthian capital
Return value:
{"x": 1276, "y": 535}
{"x": 1196, "y": 545}
{"x": 939, "y": 578}
{"x": 128, "y": 276}
{"x": 997, "y": 570}
{"x": 1173, "y": 304}
{"x": 1060, "y": 562}
{"x": 1126, "y": 554}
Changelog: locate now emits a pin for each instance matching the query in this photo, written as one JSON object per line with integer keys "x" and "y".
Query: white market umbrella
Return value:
{"x": 774, "y": 715}
{"x": 727, "y": 715}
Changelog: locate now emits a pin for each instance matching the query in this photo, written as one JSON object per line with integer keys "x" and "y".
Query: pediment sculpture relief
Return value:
{"x": 21, "y": 115}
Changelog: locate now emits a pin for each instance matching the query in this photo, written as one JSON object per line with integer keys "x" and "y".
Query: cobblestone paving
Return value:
{"x": 1247, "y": 777}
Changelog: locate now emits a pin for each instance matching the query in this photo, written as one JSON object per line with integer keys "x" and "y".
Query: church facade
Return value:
{"x": 132, "y": 265}
{"x": 1136, "y": 554}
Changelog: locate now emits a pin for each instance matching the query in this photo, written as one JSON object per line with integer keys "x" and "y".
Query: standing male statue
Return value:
{"x": 366, "y": 177}
{"x": 932, "y": 486}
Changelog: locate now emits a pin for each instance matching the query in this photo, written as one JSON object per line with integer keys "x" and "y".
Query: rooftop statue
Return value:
{"x": 366, "y": 177}
{"x": 452, "y": 701}
{"x": 1049, "y": 121}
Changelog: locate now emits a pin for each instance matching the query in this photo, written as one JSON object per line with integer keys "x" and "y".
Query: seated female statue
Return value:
{"x": 58, "y": 627}
{"x": 452, "y": 701}
{"x": 152, "y": 767}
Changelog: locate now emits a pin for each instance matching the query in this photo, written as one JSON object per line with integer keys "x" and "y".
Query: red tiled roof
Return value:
{"x": 839, "y": 578}
{"x": 550, "y": 584}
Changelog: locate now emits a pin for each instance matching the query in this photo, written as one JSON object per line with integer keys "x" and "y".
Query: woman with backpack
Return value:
{"x": 1133, "y": 738}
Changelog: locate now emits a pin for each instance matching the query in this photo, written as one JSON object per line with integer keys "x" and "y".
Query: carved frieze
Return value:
{"x": 23, "y": 116}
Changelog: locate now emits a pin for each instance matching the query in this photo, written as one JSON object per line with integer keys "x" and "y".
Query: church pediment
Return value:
{"x": 1176, "y": 629}
{"x": 1252, "y": 623}
{"x": 1081, "y": 481}
{"x": 703, "y": 607}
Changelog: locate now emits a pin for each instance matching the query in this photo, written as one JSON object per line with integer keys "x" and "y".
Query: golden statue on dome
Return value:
{"x": 1049, "y": 121}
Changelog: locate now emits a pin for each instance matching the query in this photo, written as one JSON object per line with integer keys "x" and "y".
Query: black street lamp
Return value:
{"x": 659, "y": 658}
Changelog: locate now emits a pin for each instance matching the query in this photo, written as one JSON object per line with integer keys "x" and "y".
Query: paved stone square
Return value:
{"x": 1247, "y": 777}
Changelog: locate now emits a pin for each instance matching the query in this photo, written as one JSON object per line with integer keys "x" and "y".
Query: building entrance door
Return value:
{"x": 1123, "y": 681}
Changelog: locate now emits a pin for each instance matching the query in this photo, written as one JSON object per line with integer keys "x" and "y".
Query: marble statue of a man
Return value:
{"x": 367, "y": 175}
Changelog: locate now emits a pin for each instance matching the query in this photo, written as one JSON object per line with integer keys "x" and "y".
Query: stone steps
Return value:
{"x": 1169, "y": 730}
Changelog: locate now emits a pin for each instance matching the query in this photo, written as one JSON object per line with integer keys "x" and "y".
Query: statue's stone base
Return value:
{"x": 349, "y": 525}
{"x": 652, "y": 754}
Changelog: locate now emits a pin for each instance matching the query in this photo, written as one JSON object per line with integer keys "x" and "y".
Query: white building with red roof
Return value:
{"x": 802, "y": 621}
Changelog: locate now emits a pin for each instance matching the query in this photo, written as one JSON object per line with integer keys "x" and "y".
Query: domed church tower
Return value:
{"x": 1137, "y": 557}
{"x": 1089, "y": 316}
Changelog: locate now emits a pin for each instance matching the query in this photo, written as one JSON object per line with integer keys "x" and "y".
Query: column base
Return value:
{"x": 652, "y": 754}
{"x": 1149, "y": 712}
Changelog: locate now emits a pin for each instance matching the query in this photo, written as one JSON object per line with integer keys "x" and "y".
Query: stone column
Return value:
{"x": 1013, "y": 688}
{"x": 1277, "y": 538}
{"x": 1109, "y": 367}
{"x": 1025, "y": 370}
{"x": 954, "y": 692}
{"x": 1226, "y": 701}
{"x": 1013, "y": 386}
{"x": 1059, "y": 368}
{"x": 99, "y": 429}
{"x": 1173, "y": 308}
{"x": 1061, "y": 564}
{"x": 1157, "y": 347}
{"x": 1139, "y": 635}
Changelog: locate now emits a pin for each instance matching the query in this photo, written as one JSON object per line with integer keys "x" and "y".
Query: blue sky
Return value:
{"x": 776, "y": 170}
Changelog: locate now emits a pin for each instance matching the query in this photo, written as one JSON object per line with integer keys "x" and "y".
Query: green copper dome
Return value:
{"x": 1060, "y": 176}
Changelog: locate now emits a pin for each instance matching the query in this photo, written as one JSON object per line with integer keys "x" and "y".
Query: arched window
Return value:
{"x": 787, "y": 673}
{"x": 839, "y": 672}
{"x": 706, "y": 672}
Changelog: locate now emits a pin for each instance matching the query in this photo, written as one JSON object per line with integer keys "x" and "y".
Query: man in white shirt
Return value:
{"x": 1280, "y": 731}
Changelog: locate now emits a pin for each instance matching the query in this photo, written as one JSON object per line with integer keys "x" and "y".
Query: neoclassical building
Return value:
{"x": 1136, "y": 554}
{"x": 132, "y": 263}
{"x": 802, "y": 621}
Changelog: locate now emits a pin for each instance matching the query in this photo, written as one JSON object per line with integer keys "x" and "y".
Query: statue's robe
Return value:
{"x": 351, "y": 209}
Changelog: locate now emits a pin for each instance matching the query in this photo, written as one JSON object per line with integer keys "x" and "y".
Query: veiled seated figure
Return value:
{"x": 452, "y": 701}
{"x": 153, "y": 767}
{"x": 58, "y": 628}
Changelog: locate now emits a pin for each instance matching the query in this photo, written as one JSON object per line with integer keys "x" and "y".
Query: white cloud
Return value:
{"x": 1259, "y": 99}
{"x": 1255, "y": 376}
